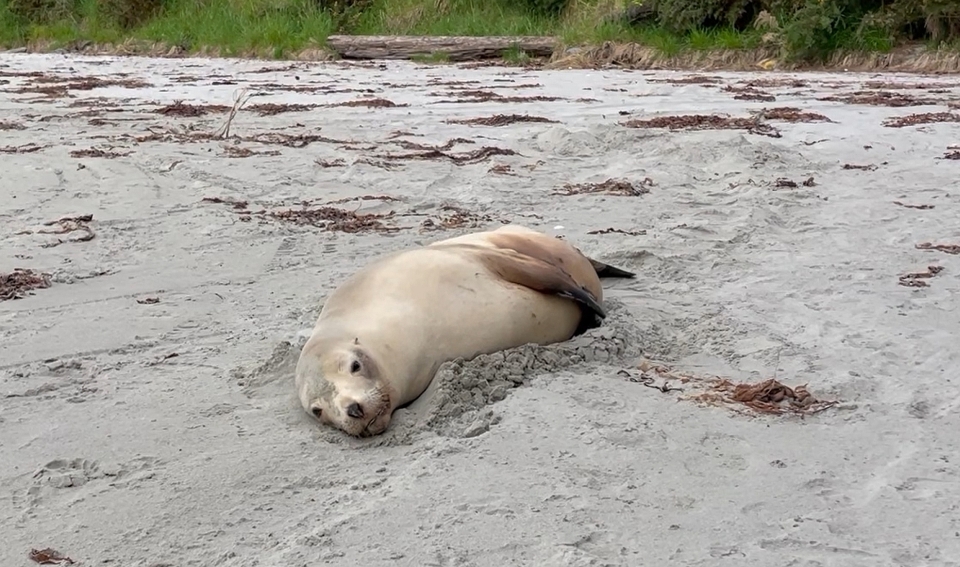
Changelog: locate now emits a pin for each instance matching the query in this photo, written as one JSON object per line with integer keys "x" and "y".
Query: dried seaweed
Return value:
{"x": 469, "y": 96}
{"x": 475, "y": 156}
{"x": 70, "y": 224}
{"x": 334, "y": 219}
{"x": 324, "y": 217}
{"x": 918, "y": 279}
{"x": 90, "y": 83}
{"x": 272, "y": 109}
{"x": 24, "y": 149}
{"x": 611, "y": 186}
{"x": 754, "y": 125}
{"x": 689, "y": 80}
{"x": 502, "y": 120}
{"x": 180, "y": 108}
{"x": 369, "y": 102}
{"x": 920, "y": 207}
{"x": 881, "y": 98}
{"x": 766, "y": 397}
{"x": 775, "y": 83}
{"x": 97, "y": 153}
{"x": 49, "y": 556}
{"x": 881, "y": 85}
{"x": 948, "y": 248}
{"x": 385, "y": 198}
{"x": 241, "y": 152}
{"x": 791, "y": 114}
{"x": 921, "y": 118}
{"x": 50, "y": 91}
{"x": 618, "y": 231}
{"x": 21, "y": 282}
{"x": 235, "y": 203}
{"x": 455, "y": 217}
{"x": 449, "y": 144}
{"x": 290, "y": 140}
{"x": 749, "y": 93}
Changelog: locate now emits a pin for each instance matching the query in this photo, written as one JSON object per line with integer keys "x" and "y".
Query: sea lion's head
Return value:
{"x": 342, "y": 385}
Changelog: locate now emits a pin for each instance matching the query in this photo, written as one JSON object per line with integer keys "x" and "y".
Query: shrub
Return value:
{"x": 341, "y": 5}
{"x": 546, "y": 7}
{"x": 128, "y": 14}
{"x": 44, "y": 11}
{"x": 943, "y": 21}
{"x": 690, "y": 15}
{"x": 915, "y": 19}
{"x": 810, "y": 29}
{"x": 817, "y": 27}
{"x": 345, "y": 13}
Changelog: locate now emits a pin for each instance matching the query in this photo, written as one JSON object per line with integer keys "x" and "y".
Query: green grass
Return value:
{"x": 230, "y": 26}
{"x": 236, "y": 27}
{"x": 477, "y": 18}
{"x": 278, "y": 28}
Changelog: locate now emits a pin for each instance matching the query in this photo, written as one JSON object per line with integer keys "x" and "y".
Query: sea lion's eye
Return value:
{"x": 355, "y": 366}
{"x": 317, "y": 412}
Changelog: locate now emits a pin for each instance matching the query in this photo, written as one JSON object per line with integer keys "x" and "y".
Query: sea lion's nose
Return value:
{"x": 355, "y": 411}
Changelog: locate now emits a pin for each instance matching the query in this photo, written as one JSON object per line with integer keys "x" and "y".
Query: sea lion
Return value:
{"x": 383, "y": 333}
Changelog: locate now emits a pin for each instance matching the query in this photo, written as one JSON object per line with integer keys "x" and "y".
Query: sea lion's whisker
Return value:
{"x": 384, "y": 404}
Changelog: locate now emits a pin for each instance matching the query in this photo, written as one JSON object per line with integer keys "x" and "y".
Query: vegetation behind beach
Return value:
{"x": 801, "y": 30}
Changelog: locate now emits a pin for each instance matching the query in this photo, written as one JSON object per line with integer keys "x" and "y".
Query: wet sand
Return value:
{"x": 148, "y": 415}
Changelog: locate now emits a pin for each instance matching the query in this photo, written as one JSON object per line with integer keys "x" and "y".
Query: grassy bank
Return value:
{"x": 801, "y": 30}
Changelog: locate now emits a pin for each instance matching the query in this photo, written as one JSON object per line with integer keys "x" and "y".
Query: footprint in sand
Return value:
{"x": 63, "y": 474}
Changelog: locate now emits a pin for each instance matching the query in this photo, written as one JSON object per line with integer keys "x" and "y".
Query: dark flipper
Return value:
{"x": 608, "y": 271}
{"x": 544, "y": 277}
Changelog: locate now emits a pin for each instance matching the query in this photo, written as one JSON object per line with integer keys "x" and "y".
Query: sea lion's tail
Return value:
{"x": 608, "y": 271}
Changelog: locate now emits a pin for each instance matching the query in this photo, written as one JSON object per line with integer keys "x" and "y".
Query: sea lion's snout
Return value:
{"x": 354, "y": 410}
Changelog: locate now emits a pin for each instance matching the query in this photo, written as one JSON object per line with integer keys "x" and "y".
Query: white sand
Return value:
{"x": 115, "y": 453}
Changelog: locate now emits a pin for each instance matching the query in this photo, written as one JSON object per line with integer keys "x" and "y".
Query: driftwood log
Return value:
{"x": 455, "y": 48}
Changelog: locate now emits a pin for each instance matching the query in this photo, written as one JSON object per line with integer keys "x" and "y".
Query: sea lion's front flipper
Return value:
{"x": 541, "y": 276}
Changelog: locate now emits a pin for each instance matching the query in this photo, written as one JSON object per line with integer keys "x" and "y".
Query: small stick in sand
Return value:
{"x": 648, "y": 380}
{"x": 239, "y": 99}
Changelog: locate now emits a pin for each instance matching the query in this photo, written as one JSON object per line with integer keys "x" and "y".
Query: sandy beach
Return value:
{"x": 808, "y": 232}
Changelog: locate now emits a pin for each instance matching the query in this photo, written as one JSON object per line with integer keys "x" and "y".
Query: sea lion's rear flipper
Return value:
{"x": 608, "y": 271}
{"x": 555, "y": 252}
{"x": 538, "y": 275}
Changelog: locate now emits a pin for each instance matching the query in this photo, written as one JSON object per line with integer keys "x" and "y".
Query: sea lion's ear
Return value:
{"x": 538, "y": 275}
